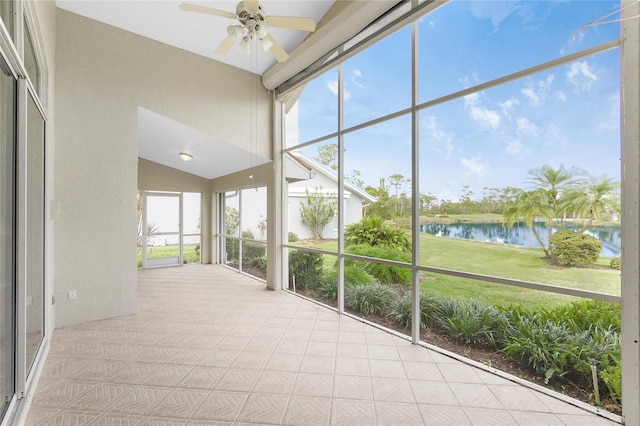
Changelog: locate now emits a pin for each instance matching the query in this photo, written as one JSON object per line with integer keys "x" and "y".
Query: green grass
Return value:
{"x": 507, "y": 261}
{"x": 189, "y": 254}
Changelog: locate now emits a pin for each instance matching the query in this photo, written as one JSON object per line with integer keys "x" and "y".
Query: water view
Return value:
{"x": 520, "y": 234}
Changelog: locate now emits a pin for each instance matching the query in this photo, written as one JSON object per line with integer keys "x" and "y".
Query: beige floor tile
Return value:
{"x": 441, "y": 415}
{"x": 277, "y": 382}
{"x": 433, "y": 393}
{"x": 386, "y": 368}
{"x": 458, "y": 373}
{"x": 221, "y": 405}
{"x": 352, "y": 350}
{"x": 162, "y": 421}
{"x": 303, "y": 410}
{"x": 395, "y": 414}
{"x": 318, "y": 364}
{"x": 238, "y": 380}
{"x": 202, "y": 378}
{"x": 353, "y": 366}
{"x": 100, "y": 397}
{"x": 166, "y": 375}
{"x": 489, "y": 417}
{"x": 474, "y": 395}
{"x": 264, "y": 409}
{"x": 139, "y": 401}
{"x": 218, "y": 358}
{"x": 210, "y": 346}
{"x": 514, "y": 397}
{"x": 392, "y": 390}
{"x": 284, "y": 362}
{"x": 423, "y": 371}
{"x": 179, "y": 403}
{"x": 111, "y": 419}
{"x": 353, "y": 412}
{"x": 352, "y": 387}
{"x": 528, "y": 418}
{"x": 320, "y": 385}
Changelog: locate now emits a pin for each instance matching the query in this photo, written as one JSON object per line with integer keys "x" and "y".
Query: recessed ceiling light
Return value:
{"x": 186, "y": 157}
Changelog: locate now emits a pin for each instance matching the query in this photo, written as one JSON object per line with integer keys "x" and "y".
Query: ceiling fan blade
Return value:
{"x": 226, "y": 45}
{"x": 207, "y": 10}
{"x": 291, "y": 22}
{"x": 251, "y": 5}
{"x": 276, "y": 50}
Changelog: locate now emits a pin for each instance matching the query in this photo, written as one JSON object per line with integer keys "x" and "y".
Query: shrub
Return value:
{"x": 251, "y": 250}
{"x": 259, "y": 263}
{"x": 293, "y": 237}
{"x": 328, "y": 287}
{"x": 471, "y": 322}
{"x": 612, "y": 379}
{"x": 306, "y": 267}
{"x": 371, "y": 230}
{"x": 585, "y": 314}
{"x": 233, "y": 248}
{"x": 402, "y": 312}
{"x": 569, "y": 248}
{"x": 616, "y": 263}
{"x": 386, "y": 274}
{"x": 353, "y": 275}
{"x": 317, "y": 210}
{"x": 248, "y": 234}
{"x": 369, "y": 299}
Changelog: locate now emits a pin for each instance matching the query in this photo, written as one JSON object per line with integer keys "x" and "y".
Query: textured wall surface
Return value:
{"x": 103, "y": 75}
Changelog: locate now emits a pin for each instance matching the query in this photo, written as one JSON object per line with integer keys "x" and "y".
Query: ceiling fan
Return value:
{"x": 254, "y": 24}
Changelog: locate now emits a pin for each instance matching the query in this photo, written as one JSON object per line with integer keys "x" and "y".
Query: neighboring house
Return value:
{"x": 304, "y": 175}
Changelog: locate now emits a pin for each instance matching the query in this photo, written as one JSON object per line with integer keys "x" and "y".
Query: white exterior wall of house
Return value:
{"x": 103, "y": 74}
{"x": 326, "y": 183}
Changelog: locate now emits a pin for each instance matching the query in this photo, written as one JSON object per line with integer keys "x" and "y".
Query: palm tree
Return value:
{"x": 554, "y": 181}
{"x": 528, "y": 207}
{"x": 599, "y": 197}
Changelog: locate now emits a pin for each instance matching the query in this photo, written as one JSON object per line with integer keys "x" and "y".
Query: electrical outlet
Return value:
{"x": 73, "y": 295}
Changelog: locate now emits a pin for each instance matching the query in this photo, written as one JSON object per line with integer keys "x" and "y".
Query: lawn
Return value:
{"x": 500, "y": 260}
{"x": 189, "y": 254}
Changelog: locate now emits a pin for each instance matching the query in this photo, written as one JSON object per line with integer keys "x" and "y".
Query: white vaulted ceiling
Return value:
{"x": 161, "y": 138}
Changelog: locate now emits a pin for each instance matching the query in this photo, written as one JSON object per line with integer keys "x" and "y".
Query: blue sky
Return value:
{"x": 567, "y": 115}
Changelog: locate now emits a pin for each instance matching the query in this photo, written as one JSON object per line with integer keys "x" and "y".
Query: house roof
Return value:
{"x": 311, "y": 165}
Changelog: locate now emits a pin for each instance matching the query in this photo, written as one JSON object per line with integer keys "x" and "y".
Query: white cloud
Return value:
{"x": 473, "y": 167}
{"x": 581, "y": 76}
{"x": 527, "y": 127}
{"x": 537, "y": 92}
{"x": 356, "y": 78}
{"x": 469, "y": 80}
{"x": 483, "y": 116}
{"x": 496, "y": 11}
{"x": 560, "y": 96}
{"x": 516, "y": 149}
{"x": 508, "y": 106}
{"x": 332, "y": 85}
{"x": 443, "y": 140}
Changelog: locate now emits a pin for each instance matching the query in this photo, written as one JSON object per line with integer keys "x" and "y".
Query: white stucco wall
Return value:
{"x": 103, "y": 75}
{"x": 297, "y": 196}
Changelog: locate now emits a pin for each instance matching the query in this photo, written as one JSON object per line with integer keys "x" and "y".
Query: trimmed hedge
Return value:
{"x": 568, "y": 248}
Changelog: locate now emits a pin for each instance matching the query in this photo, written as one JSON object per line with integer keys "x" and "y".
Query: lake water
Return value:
{"x": 520, "y": 234}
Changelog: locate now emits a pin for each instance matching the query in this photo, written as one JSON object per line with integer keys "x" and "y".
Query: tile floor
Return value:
{"x": 210, "y": 346}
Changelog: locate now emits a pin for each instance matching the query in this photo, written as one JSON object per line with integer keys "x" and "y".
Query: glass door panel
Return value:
{"x": 35, "y": 231}
{"x": 162, "y": 245}
{"x": 7, "y": 236}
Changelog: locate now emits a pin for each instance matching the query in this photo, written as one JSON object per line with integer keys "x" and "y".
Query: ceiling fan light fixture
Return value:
{"x": 186, "y": 156}
{"x": 235, "y": 31}
{"x": 266, "y": 43}
{"x": 245, "y": 45}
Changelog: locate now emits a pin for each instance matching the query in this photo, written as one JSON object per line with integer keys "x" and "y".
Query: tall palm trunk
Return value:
{"x": 544, "y": 248}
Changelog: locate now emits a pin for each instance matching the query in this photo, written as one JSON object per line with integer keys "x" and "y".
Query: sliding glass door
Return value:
{"x": 7, "y": 236}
